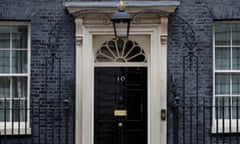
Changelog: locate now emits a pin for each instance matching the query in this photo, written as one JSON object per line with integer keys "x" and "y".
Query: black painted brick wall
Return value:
{"x": 53, "y": 59}
{"x": 52, "y": 68}
{"x": 194, "y": 80}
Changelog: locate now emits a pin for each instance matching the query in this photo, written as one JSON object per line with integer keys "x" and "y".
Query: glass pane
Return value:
{"x": 4, "y": 37}
{"x": 222, "y": 107}
{"x": 121, "y": 29}
{"x": 4, "y": 61}
{"x": 222, "y": 84}
{"x": 236, "y": 108}
{"x": 19, "y": 61}
{"x": 222, "y": 58}
{"x": 19, "y": 111}
{"x": 113, "y": 49}
{"x": 236, "y": 58}
{"x": 4, "y": 87}
{"x": 4, "y": 111}
{"x": 222, "y": 34}
{"x": 19, "y": 36}
{"x": 19, "y": 87}
{"x": 236, "y": 84}
{"x": 236, "y": 34}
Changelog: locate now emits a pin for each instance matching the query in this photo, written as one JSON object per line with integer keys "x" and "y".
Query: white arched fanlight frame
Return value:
{"x": 121, "y": 51}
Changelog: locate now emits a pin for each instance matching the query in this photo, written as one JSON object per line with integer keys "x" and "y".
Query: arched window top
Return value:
{"x": 121, "y": 51}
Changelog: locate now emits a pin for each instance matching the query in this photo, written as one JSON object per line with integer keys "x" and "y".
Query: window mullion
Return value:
{"x": 10, "y": 77}
{"x": 10, "y": 49}
{"x": 231, "y": 52}
{"x": 230, "y": 99}
{"x": 214, "y": 75}
{"x": 231, "y": 59}
{"x": 11, "y": 100}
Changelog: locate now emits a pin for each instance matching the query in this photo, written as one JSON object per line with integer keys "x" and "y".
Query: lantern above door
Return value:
{"x": 121, "y": 21}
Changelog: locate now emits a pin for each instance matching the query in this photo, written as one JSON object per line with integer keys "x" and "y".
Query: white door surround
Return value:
{"x": 89, "y": 27}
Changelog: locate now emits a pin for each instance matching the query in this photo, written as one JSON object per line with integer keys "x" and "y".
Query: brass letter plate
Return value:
{"x": 120, "y": 112}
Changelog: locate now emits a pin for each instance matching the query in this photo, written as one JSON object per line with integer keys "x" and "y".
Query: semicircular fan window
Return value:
{"x": 120, "y": 51}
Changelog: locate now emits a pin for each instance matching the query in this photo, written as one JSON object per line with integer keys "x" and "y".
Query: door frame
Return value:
{"x": 157, "y": 78}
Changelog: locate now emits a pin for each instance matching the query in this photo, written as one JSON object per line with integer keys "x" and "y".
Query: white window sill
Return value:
{"x": 20, "y": 131}
{"x": 15, "y": 128}
{"x": 225, "y": 126}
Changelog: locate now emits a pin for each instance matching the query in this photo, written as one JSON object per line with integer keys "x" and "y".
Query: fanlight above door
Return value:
{"x": 121, "y": 51}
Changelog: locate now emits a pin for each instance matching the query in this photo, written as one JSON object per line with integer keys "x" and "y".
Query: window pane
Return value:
{"x": 13, "y": 59}
{"x": 19, "y": 87}
{"x": 19, "y": 110}
{"x": 235, "y": 84}
{"x": 222, "y": 34}
{"x": 4, "y": 111}
{"x": 236, "y": 108}
{"x": 4, "y": 87}
{"x": 19, "y": 61}
{"x": 4, "y": 61}
{"x": 222, "y": 84}
{"x": 19, "y": 37}
{"x": 236, "y": 34}
{"x": 222, "y": 58}
{"x": 4, "y": 37}
{"x": 222, "y": 107}
{"x": 236, "y": 58}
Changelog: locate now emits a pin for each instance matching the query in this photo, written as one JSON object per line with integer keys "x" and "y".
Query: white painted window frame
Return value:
{"x": 223, "y": 125}
{"x": 19, "y": 128}
{"x": 157, "y": 78}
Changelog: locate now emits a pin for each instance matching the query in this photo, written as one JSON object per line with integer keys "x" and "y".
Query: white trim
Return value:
{"x": 223, "y": 126}
{"x": 113, "y": 64}
{"x": 13, "y": 74}
{"x": 14, "y": 23}
{"x": 29, "y": 76}
{"x": 17, "y": 130}
{"x": 131, "y": 6}
{"x": 157, "y": 78}
{"x": 111, "y": 4}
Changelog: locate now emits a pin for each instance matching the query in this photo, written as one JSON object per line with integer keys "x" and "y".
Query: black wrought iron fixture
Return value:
{"x": 121, "y": 21}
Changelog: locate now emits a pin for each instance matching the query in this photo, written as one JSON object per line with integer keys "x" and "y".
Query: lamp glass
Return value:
{"x": 121, "y": 29}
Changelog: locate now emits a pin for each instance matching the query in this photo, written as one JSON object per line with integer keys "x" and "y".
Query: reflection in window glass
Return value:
{"x": 236, "y": 108}
{"x": 4, "y": 111}
{"x": 19, "y": 61}
{"x": 222, "y": 34}
{"x": 236, "y": 34}
{"x": 4, "y": 37}
{"x": 236, "y": 84}
{"x": 222, "y": 84}
{"x": 4, "y": 87}
{"x": 19, "y": 37}
{"x": 236, "y": 58}
{"x": 4, "y": 61}
{"x": 222, "y": 107}
{"x": 222, "y": 58}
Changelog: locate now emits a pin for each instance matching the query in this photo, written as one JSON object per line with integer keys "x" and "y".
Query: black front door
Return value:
{"x": 120, "y": 105}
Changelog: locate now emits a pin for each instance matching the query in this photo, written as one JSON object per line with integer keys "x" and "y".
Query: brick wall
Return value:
{"x": 52, "y": 68}
{"x": 190, "y": 69}
{"x": 53, "y": 58}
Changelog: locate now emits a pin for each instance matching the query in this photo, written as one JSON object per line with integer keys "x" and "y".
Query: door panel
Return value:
{"x": 120, "y": 88}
